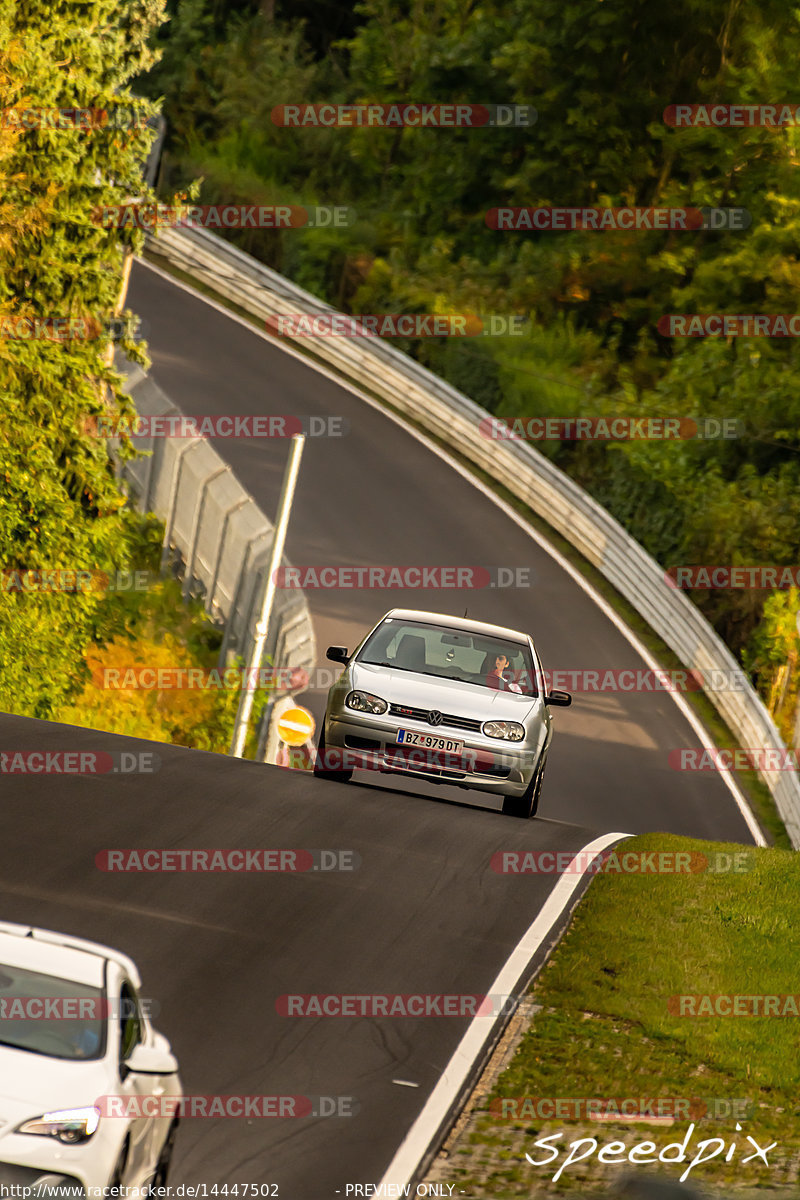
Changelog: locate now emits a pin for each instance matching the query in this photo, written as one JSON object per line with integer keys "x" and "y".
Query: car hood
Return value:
{"x": 31, "y": 1084}
{"x": 448, "y": 695}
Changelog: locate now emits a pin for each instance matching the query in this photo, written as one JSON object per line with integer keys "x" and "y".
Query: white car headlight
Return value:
{"x": 366, "y": 702}
{"x": 509, "y": 731}
{"x": 69, "y": 1126}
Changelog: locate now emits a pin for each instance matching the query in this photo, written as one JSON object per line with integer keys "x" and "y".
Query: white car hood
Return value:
{"x": 32, "y": 1084}
{"x": 447, "y": 695}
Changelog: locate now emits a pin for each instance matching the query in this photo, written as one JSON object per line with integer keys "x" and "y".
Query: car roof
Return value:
{"x": 58, "y": 954}
{"x": 462, "y": 623}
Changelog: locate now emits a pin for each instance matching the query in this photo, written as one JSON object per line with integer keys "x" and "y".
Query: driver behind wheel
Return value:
{"x": 494, "y": 666}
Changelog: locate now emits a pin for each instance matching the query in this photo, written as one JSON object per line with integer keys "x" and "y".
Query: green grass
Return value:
{"x": 606, "y": 1029}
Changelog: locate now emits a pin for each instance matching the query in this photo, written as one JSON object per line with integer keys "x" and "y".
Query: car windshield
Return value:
{"x": 447, "y": 653}
{"x": 46, "y": 1015}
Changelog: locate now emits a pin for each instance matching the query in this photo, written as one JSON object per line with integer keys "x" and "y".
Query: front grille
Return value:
{"x": 421, "y": 714}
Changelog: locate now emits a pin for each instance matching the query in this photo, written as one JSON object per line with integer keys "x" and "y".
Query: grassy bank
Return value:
{"x": 609, "y": 1025}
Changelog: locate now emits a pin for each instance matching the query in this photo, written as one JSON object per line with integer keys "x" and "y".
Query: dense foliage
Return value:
{"x": 60, "y": 506}
{"x": 600, "y": 76}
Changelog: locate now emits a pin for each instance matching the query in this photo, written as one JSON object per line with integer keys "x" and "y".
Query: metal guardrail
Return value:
{"x": 517, "y": 465}
{"x": 216, "y": 537}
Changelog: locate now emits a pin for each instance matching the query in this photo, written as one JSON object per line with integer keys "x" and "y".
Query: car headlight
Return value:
{"x": 509, "y": 731}
{"x": 70, "y": 1126}
{"x": 366, "y": 702}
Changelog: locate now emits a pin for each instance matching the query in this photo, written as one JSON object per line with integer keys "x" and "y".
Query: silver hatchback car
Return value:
{"x": 445, "y": 699}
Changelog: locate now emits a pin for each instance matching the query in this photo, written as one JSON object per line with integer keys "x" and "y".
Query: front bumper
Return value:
{"x": 366, "y": 742}
{"x": 33, "y": 1182}
{"x": 25, "y": 1158}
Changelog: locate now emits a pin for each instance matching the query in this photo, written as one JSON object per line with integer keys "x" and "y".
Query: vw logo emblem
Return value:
{"x": 434, "y": 718}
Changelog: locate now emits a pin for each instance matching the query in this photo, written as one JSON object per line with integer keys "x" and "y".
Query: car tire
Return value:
{"x": 119, "y": 1168}
{"x": 320, "y": 772}
{"x": 165, "y": 1157}
{"x": 527, "y": 805}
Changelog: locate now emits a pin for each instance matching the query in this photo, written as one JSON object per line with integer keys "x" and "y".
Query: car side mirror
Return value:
{"x": 337, "y": 654}
{"x": 562, "y": 699}
{"x": 151, "y": 1060}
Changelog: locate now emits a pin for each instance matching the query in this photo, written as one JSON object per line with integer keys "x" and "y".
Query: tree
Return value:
{"x": 60, "y": 506}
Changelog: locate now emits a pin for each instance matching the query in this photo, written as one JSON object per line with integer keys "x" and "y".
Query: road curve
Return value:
{"x": 378, "y": 496}
{"x": 424, "y": 912}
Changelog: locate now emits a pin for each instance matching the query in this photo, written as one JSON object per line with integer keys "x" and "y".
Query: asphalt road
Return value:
{"x": 424, "y": 912}
{"x": 378, "y": 497}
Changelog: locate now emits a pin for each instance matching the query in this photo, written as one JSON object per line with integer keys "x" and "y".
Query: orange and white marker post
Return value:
{"x": 295, "y": 728}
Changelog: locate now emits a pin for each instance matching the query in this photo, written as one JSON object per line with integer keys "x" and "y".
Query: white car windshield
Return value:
{"x": 51, "y": 1016}
{"x": 449, "y": 653}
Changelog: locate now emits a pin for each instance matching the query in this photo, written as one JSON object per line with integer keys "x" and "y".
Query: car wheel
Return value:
{"x": 119, "y": 1169}
{"x": 165, "y": 1157}
{"x": 319, "y": 771}
{"x": 526, "y": 805}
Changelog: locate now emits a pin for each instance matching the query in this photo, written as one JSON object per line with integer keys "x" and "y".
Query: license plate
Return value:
{"x": 429, "y": 741}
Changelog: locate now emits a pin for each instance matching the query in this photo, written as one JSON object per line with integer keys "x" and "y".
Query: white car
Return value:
{"x": 89, "y": 1092}
{"x": 444, "y": 698}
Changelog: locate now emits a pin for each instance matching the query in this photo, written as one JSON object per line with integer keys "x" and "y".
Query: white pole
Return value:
{"x": 262, "y": 626}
